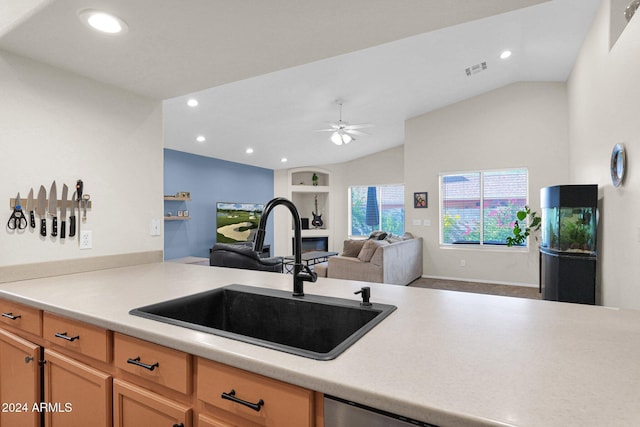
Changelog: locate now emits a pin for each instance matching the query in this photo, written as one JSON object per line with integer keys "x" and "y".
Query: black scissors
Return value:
{"x": 18, "y": 219}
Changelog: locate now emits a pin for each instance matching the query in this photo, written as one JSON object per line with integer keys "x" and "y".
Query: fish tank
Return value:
{"x": 569, "y": 219}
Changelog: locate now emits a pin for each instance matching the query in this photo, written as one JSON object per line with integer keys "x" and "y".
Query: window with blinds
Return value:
{"x": 374, "y": 208}
{"x": 480, "y": 207}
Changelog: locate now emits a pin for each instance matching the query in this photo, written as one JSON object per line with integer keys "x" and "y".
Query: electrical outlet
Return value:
{"x": 463, "y": 263}
{"x": 86, "y": 239}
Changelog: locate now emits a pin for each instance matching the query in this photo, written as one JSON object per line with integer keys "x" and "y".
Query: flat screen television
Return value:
{"x": 237, "y": 222}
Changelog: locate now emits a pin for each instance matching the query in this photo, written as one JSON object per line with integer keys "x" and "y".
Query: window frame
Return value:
{"x": 481, "y": 245}
{"x": 378, "y": 186}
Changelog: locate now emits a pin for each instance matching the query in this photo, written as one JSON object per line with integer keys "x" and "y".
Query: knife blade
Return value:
{"x": 31, "y": 208}
{"x": 63, "y": 211}
{"x": 53, "y": 208}
{"x": 41, "y": 210}
{"x": 72, "y": 218}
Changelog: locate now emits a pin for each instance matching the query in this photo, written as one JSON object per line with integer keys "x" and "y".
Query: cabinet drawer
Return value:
{"x": 162, "y": 365}
{"x": 71, "y": 334}
{"x": 274, "y": 403}
{"x": 23, "y": 317}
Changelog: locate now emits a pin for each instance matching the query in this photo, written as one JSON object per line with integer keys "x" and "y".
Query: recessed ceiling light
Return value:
{"x": 103, "y": 21}
{"x": 201, "y": 138}
{"x": 284, "y": 160}
{"x": 505, "y": 54}
{"x": 192, "y": 102}
{"x": 249, "y": 150}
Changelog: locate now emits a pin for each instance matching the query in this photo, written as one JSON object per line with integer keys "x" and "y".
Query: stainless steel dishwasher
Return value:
{"x": 344, "y": 413}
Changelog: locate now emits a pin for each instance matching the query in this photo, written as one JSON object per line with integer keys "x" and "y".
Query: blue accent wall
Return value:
{"x": 209, "y": 181}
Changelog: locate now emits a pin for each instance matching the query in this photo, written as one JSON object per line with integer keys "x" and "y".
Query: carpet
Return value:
{"x": 475, "y": 287}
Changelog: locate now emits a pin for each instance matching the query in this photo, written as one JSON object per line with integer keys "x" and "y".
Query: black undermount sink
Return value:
{"x": 312, "y": 326}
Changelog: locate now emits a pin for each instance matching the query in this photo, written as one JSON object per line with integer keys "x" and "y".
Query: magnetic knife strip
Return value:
{"x": 12, "y": 203}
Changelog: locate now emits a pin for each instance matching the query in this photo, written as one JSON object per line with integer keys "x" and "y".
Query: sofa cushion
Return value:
{"x": 369, "y": 248}
{"x": 321, "y": 268}
{"x": 352, "y": 248}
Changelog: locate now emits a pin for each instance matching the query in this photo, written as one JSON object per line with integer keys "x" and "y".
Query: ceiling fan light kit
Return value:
{"x": 342, "y": 132}
{"x": 339, "y": 137}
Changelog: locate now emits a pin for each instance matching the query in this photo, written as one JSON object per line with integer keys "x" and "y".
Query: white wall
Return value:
{"x": 57, "y": 125}
{"x": 520, "y": 125}
{"x": 604, "y": 105}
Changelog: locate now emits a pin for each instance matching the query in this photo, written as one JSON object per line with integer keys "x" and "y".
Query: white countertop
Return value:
{"x": 448, "y": 358}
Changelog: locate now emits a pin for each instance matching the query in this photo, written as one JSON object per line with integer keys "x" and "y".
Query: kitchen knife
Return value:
{"x": 72, "y": 218}
{"x": 63, "y": 211}
{"x": 31, "y": 208}
{"x": 41, "y": 210}
{"x": 53, "y": 208}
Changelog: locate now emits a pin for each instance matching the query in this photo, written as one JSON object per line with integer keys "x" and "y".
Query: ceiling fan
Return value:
{"x": 343, "y": 132}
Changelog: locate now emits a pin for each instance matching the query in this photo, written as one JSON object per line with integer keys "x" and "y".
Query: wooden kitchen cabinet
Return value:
{"x": 77, "y": 394}
{"x": 152, "y": 362}
{"x": 19, "y": 381}
{"x": 134, "y": 406}
{"x": 21, "y": 316}
{"x": 77, "y": 374}
{"x": 230, "y": 394}
{"x": 77, "y": 336}
{"x": 205, "y": 421}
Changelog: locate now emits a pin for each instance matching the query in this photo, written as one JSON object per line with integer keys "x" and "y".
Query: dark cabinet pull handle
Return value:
{"x": 137, "y": 362}
{"x": 178, "y": 425}
{"x": 232, "y": 397}
{"x": 11, "y": 316}
{"x": 64, "y": 336}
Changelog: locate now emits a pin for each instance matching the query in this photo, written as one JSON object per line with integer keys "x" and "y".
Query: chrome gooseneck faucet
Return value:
{"x": 301, "y": 273}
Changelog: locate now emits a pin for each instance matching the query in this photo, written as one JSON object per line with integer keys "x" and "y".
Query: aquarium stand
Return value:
{"x": 568, "y": 253}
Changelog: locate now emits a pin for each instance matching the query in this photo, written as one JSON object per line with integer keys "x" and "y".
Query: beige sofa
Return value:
{"x": 396, "y": 262}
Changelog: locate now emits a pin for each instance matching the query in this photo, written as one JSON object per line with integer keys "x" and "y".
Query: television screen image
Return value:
{"x": 237, "y": 222}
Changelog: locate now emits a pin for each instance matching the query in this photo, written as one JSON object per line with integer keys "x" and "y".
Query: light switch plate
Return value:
{"x": 154, "y": 227}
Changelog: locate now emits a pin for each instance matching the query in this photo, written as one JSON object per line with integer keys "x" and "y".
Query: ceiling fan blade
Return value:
{"x": 325, "y": 130}
{"x": 355, "y": 132}
{"x": 360, "y": 126}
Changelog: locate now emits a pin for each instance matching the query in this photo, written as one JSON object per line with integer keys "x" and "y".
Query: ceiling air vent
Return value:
{"x": 475, "y": 69}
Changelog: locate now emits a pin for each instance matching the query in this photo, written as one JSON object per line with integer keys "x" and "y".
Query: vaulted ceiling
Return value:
{"x": 267, "y": 74}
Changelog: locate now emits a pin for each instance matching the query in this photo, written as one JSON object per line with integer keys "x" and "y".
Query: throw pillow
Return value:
{"x": 369, "y": 248}
{"x": 378, "y": 235}
{"x": 351, "y": 248}
{"x": 392, "y": 238}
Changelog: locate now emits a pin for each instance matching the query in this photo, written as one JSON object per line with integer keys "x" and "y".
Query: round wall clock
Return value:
{"x": 618, "y": 163}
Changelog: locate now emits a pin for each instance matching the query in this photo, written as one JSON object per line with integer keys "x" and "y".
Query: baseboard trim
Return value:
{"x": 492, "y": 282}
{"x": 14, "y": 273}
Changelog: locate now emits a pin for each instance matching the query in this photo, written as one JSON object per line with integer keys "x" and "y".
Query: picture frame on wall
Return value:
{"x": 420, "y": 200}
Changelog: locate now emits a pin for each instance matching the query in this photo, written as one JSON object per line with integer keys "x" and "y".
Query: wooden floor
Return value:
{"x": 481, "y": 288}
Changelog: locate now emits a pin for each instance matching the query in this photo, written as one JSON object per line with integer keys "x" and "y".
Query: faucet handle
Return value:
{"x": 366, "y": 294}
{"x": 307, "y": 275}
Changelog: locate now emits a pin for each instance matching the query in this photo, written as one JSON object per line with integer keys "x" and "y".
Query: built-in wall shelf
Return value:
{"x": 311, "y": 196}
{"x": 177, "y": 198}
{"x": 310, "y": 188}
{"x": 180, "y": 214}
